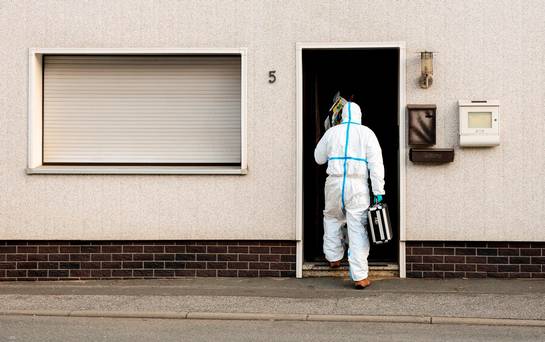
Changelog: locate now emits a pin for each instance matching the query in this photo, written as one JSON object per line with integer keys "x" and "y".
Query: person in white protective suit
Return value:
{"x": 352, "y": 151}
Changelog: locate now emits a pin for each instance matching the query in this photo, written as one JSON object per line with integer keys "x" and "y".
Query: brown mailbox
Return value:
{"x": 422, "y": 125}
{"x": 431, "y": 155}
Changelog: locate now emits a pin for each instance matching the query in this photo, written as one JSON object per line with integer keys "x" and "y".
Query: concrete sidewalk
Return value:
{"x": 475, "y": 301}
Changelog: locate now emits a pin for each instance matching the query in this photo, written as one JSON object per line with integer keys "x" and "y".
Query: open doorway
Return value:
{"x": 372, "y": 77}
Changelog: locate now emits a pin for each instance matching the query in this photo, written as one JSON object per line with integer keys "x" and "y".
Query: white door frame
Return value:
{"x": 402, "y": 158}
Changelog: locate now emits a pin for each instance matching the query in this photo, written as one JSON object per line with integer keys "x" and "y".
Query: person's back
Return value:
{"x": 352, "y": 152}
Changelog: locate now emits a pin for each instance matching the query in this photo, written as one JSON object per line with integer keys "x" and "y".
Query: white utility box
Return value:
{"x": 479, "y": 123}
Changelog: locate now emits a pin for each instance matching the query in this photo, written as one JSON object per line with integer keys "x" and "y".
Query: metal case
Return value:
{"x": 380, "y": 226}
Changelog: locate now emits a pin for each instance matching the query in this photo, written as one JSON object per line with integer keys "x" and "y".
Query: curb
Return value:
{"x": 282, "y": 317}
{"x": 370, "y": 318}
{"x": 489, "y": 321}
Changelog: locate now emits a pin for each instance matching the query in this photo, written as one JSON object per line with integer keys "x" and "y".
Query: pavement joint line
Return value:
{"x": 348, "y": 294}
{"x": 247, "y": 316}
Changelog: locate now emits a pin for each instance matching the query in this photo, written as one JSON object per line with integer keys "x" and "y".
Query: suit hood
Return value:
{"x": 352, "y": 113}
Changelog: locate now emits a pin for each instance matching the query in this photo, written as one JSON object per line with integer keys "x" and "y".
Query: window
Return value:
{"x": 137, "y": 113}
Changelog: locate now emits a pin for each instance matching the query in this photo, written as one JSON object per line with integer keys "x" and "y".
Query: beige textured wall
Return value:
{"x": 487, "y": 50}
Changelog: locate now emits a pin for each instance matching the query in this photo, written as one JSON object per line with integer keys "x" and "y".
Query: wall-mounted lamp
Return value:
{"x": 426, "y": 69}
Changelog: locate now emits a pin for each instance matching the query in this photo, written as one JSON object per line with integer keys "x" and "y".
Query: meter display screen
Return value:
{"x": 479, "y": 120}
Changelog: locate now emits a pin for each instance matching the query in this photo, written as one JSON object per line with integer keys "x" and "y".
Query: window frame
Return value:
{"x": 35, "y": 116}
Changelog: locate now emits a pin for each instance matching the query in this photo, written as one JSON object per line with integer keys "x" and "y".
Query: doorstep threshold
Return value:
{"x": 377, "y": 270}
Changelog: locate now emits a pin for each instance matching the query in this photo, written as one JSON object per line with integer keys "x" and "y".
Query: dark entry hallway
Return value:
{"x": 371, "y": 78}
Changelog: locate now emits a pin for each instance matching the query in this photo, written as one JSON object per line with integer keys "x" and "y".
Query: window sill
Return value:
{"x": 137, "y": 170}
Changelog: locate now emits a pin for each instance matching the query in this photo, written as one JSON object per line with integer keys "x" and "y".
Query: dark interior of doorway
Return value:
{"x": 371, "y": 78}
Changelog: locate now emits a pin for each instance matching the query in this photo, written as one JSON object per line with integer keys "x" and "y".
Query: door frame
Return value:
{"x": 402, "y": 157}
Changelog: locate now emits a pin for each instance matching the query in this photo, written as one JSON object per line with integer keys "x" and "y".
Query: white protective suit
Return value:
{"x": 351, "y": 151}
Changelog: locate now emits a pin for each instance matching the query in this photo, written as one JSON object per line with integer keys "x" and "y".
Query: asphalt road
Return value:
{"x": 45, "y": 329}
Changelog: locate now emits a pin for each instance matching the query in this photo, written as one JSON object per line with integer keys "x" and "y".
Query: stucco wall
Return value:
{"x": 487, "y": 50}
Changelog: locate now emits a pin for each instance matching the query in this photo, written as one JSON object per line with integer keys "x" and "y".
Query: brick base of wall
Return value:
{"x": 77, "y": 260}
{"x": 427, "y": 259}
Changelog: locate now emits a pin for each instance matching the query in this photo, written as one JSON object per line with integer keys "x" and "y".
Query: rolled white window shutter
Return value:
{"x": 142, "y": 109}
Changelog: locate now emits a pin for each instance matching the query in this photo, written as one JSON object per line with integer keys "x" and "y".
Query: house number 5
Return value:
{"x": 272, "y": 76}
